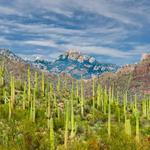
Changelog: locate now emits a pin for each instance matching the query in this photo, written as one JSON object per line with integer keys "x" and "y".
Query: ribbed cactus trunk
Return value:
{"x": 66, "y": 124}
{"x": 12, "y": 92}
{"x": 72, "y": 112}
{"x": 35, "y": 90}
{"x": 105, "y": 101}
{"x": 125, "y": 106}
{"x": 93, "y": 97}
{"x": 137, "y": 127}
{"x": 43, "y": 84}
{"x": 49, "y": 105}
{"x": 77, "y": 88}
{"x": 52, "y": 140}
{"x": 29, "y": 87}
{"x": 82, "y": 99}
{"x": 24, "y": 96}
{"x": 128, "y": 127}
{"x": 1, "y": 75}
{"x": 98, "y": 96}
{"x": 144, "y": 108}
{"x": 109, "y": 113}
{"x": 58, "y": 84}
{"x": 12, "y": 97}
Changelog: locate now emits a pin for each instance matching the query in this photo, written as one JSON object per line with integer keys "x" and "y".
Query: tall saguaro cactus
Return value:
{"x": 43, "y": 84}
{"x": 24, "y": 96}
{"x": 52, "y": 142}
{"x": 137, "y": 127}
{"x": 12, "y": 96}
{"x": 128, "y": 127}
{"x": 34, "y": 96}
{"x": 29, "y": 87}
{"x": 109, "y": 113}
{"x": 93, "y": 96}
{"x": 66, "y": 124}
{"x": 72, "y": 111}
{"x": 82, "y": 99}
{"x": 12, "y": 85}
{"x": 1, "y": 75}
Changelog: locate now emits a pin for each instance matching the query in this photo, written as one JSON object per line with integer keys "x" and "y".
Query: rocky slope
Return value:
{"x": 134, "y": 78}
{"x": 141, "y": 75}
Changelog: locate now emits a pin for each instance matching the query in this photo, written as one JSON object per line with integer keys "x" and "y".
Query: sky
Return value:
{"x": 113, "y": 31}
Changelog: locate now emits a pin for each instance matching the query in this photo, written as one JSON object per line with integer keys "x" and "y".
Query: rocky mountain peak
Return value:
{"x": 145, "y": 56}
{"x": 10, "y": 55}
{"x": 77, "y": 56}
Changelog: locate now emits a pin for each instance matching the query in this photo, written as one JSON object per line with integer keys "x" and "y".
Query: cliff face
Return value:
{"x": 141, "y": 75}
{"x": 132, "y": 78}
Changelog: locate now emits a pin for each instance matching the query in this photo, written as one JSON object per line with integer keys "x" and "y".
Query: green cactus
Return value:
{"x": 109, "y": 113}
{"x": 128, "y": 127}
{"x": 12, "y": 85}
{"x": 58, "y": 84}
{"x": 52, "y": 140}
{"x": 66, "y": 124}
{"x": 29, "y": 86}
{"x": 93, "y": 96}
{"x": 2, "y": 75}
{"x": 24, "y": 96}
{"x": 49, "y": 105}
{"x": 72, "y": 111}
{"x": 137, "y": 127}
{"x": 43, "y": 84}
{"x": 82, "y": 99}
{"x": 125, "y": 106}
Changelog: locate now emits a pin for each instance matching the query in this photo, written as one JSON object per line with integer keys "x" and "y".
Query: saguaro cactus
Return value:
{"x": 12, "y": 85}
{"x": 109, "y": 114}
{"x": 72, "y": 111}
{"x": 82, "y": 99}
{"x": 137, "y": 127}
{"x": 93, "y": 96}
{"x": 52, "y": 142}
{"x": 29, "y": 86}
{"x": 58, "y": 84}
{"x": 66, "y": 124}
{"x": 43, "y": 84}
{"x": 24, "y": 96}
{"x": 1, "y": 75}
{"x": 12, "y": 97}
{"x": 128, "y": 127}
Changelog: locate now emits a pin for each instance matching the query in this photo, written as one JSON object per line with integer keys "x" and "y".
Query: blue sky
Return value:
{"x": 116, "y": 31}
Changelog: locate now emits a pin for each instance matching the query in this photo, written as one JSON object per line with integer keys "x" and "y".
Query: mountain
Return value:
{"x": 6, "y": 53}
{"x": 18, "y": 67}
{"x": 134, "y": 78}
{"x": 76, "y": 65}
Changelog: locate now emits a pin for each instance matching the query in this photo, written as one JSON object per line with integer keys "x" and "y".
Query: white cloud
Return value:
{"x": 47, "y": 43}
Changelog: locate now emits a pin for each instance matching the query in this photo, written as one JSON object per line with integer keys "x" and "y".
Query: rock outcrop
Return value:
{"x": 75, "y": 64}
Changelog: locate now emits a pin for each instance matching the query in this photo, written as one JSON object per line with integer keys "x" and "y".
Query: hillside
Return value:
{"x": 46, "y": 112}
{"x": 134, "y": 78}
